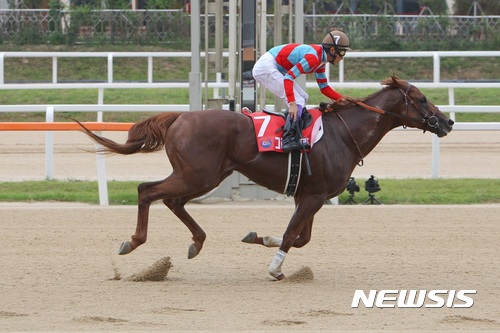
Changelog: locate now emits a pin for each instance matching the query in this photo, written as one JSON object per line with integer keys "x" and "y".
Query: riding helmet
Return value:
{"x": 337, "y": 39}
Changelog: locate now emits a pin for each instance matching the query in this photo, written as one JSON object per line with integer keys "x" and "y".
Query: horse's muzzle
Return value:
{"x": 445, "y": 128}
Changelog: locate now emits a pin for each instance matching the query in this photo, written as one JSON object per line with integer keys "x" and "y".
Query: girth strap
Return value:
{"x": 293, "y": 176}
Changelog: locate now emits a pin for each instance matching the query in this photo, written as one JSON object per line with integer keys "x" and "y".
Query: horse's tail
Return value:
{"x": 146, "y": 136}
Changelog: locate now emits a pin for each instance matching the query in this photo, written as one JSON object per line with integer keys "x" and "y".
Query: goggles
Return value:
{"x": 341, "y": 52}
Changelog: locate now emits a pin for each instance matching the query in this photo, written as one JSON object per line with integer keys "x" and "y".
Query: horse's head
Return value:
{"x": 417, "y": 111}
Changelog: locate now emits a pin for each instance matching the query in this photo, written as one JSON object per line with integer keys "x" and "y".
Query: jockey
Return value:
{"x": 281, "y": 65}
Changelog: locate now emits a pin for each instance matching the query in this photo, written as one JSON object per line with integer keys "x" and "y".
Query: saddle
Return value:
{"x": 269, "y": 125}
{"x": 305, "y": 120}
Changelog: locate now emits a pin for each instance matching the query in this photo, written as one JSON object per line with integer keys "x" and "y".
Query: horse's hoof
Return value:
{"x": 250, "y": 238}
{"x": 280, "y": 277}
{"x": 192, "y": 252}
{"x": 125, "y": 248}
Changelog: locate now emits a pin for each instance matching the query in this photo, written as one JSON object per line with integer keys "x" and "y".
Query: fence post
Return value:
{"x": 110, "y": 68}
{"x": 150, "y": 69}
{"x": 100, "y": 160}
{"x": 451, "y": 101}
{"x": 54, "y": 69}
{"x": 49, "y": 145}
{"x": 195, "y": 74}
{"x": 435, "y": 156}
{"x": 437, "y": 68}
{"x": 2, "y": 57}
{"x": 341, "y": 71}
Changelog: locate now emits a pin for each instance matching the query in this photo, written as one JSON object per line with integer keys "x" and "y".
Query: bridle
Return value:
{"x": 431, "y": 121}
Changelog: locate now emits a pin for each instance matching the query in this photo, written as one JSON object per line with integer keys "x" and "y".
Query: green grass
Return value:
{"x": 181, "y": 96}
{"x": 120, "y": 193}
{"x": 432, "y": 191}
{"x": 177, "y": 69}
{"x": 404, "y": 192}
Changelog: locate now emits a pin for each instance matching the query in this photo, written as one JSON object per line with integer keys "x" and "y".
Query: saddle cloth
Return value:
{"x": 269, "y": 129}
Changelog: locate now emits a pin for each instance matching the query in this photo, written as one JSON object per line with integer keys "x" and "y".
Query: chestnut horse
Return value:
{"x": 205, "y": 147}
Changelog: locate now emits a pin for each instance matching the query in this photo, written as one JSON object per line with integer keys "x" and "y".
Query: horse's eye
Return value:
{"x": 423, "y": 100}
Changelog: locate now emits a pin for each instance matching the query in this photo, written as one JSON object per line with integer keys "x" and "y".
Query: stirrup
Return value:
{"x": 291, "y": 146}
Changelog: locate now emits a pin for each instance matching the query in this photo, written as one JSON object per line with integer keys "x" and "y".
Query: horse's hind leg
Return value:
{"x": 199, "y": 236}
{"x": 141, "y": 231}
{"x": 175, "y": 192}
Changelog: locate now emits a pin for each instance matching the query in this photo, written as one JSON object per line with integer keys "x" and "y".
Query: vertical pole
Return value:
{"x": 150, "y": 69}
{"x": 248, "y": 18}
{"x": 341, "y": 71}
{"x": 110, "y": 68}
{"x": 233, "y": 51}
{"x": 437, "y": 69}
{"x": 54, "y": 69}
{"x": 208, "y": 54}
{"x": 195, "y": 74}
{"x": 219, "y": 35}
{"x": 2, "y": 62}
{"x": 451, "y": 101}
{"x": 49, "y": 145}
{"x": 278, "y": 40}
{"x": 435, "y": 139}
{"x": 299, "y": 35}
{"x": 262, "y": 48}
{"x": 100, "y": 160}
{"x": 435, "y": 156}
{"x": 299, "y": 21}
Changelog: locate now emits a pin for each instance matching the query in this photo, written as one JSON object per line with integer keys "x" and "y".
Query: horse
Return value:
{"x": 206, "y": 146}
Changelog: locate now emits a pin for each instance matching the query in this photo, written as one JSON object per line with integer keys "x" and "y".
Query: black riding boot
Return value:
{"x": 290, "y": 136}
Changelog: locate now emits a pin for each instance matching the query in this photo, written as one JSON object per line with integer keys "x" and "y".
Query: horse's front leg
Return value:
{"x": 267, "y": 241}
{"x": 271, "y": 241}
{"x": 300, "y": 225}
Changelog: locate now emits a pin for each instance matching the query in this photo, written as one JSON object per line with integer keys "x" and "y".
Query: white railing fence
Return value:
{"x": 100, "y": 107}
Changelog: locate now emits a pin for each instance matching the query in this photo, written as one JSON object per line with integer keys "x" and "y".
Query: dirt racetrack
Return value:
{"x": 59, "y": 261}
{"x": 401, "y": 154}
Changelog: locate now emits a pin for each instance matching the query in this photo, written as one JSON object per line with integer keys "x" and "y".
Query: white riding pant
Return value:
{"x": 265, "y": 71}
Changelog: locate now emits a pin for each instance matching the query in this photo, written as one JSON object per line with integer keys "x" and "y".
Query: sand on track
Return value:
{"x": 401, "y": 154}
{"x": 59, "y": 262}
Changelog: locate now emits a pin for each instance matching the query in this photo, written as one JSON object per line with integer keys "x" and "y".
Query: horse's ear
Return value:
{"x": 392, "y": 81}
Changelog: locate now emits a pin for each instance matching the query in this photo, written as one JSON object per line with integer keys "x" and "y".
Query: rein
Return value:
{"x": 431, "y": 121}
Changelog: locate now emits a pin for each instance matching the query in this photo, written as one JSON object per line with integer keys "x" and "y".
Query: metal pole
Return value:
{"x": 437, "y": 68}
{"x": 262, "y": 48}
{"x": 49, "y": 145}
{"x": 233, "y": 53}
{"x": 248, "y": 53}
{"x": 435, "y": 156}
{"x": 208, "y": 8}
{"x": 102, "y": 182}
{"x": 299, "y": 35}
{"x": 278, "y": 40}
{"x": 195, "y": 74}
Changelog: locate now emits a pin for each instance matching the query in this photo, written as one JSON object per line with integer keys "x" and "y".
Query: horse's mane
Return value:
{"x": 389, "y": 83}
